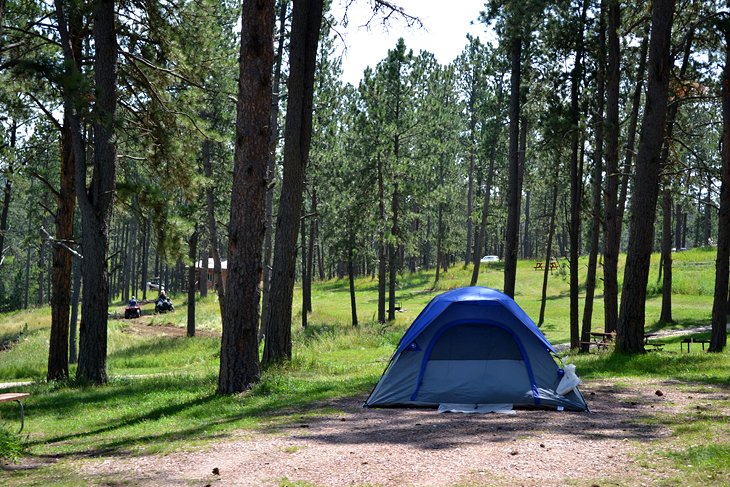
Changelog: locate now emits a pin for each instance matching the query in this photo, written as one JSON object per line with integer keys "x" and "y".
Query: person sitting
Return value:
{"x": 133, "y": 302}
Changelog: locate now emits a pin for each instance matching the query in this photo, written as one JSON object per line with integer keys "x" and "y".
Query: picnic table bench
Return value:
{"x": 693, "y": 340}
{"x": 605, "y": 338}
{"x": 599, "y": 345}
{"x": 17, "y": 397}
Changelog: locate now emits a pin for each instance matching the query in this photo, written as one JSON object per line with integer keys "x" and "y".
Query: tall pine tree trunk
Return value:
{"x": 472, "y": 166}
{"x": 214, "y": 241}
{"x": 145, "y": 257}
{"x": 381, "y": 244}
{"x": 97, "y": 202}
{"x": 630, "y": 329}
{"x": 61, "y": 272}
{"x": 351, "y": 276}
{"x": 576, "y": 181}
{"x": 305, "y": 288}
{"x": 526, "y": 252}
{"x": 393, "y": 254}
{"x": 306, "y": 20}
{"x": 271, "y": 166}
{"x": 666, "y": 312}
{"x": 310, "y": 253}
{"x": 631, "y": 137}
{"x": 513, "y": 188}
{"x": 239, "y": 358}
{"x": 480, "y": 241}
{"x": 585, "y": 334}
{"x": 192, "y": 257}
{"x": 612, "y": 234}
{"x": 7, "y": 190}
{"x": 666, "y": 266}
{"x": 548, "y": 253}
{"x": 718, "y": 339}
{"x": 73, "y": 326}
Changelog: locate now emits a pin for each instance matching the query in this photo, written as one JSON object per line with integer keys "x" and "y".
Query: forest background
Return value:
{"x": 144, "y": 137}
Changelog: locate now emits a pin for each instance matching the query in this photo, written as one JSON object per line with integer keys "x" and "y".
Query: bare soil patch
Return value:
{"x": 397, "y": 447}
{"x": 142, "y": 326}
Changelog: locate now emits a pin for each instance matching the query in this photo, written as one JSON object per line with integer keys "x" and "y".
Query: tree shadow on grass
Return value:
{"x": 203, "y": 417}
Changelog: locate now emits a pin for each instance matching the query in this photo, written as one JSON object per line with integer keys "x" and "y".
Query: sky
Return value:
{"x": 445, "y": 25}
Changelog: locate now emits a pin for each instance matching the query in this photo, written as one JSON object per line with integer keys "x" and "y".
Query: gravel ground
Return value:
{"x": 401, "y": 447}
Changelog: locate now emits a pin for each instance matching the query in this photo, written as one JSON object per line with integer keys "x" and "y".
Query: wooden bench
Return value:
{"x": 693, "y": 340}
{"x": 17, "y": 397}
{"x": 656, "y": 346}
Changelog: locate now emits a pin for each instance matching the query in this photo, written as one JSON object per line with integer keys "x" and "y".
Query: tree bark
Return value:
{"x": 392, "y": 254}
{"x": 597, "y": 176}
{"x": 41, "y": 296}
{"x": 513, "y": 189}
{"x": 96, "y": 202}
{"x": 351, "y": 275}
{"x": 75, "y": 296}
{"x": 271, "y": 166}
{"x": 381, "y": 244}
{"x": 26, "y": 287}
{"x": 203, "y": 272}
{"x": 192, "y": 257}
{"x": 61, "y": 273}
{"x": 439, "y": 226}
{"x": 214, "y": 241}
{"x": 306, "y": 20}
{"x": 548, "y": 254}
{"x": 305, "y": 278}
{"x": 718, "y": 338}
{"x": 526, "y": 252}
{"x": 480, "y": 242}
{"x": 310, "y": 251}
{"x": 666, "y": 266}
{"x": 630, "y": 330}
{"x": 239, "y": 358}
{"x": 666, "y": 312}
{"x": 576, "y": 181}
{"x": 612, "y": 233}
{"x": 7, "y": 190}
{"x": 145, "y": 257}
{"x": 631, "y": 140}
{"x": 472, "y": 164}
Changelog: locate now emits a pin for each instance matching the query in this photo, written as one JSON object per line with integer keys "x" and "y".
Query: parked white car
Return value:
{"x": 489, "y": 258}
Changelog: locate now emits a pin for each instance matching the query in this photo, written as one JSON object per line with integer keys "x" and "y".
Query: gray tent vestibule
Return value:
{"x": 473, "y": 346}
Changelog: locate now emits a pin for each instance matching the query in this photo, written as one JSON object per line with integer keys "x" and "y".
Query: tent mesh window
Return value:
{"x": 475, "y": 342}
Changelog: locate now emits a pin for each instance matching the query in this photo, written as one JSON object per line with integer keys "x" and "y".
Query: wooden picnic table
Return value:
{"x": 605, "y": 337}
{"x": 610, "y": 336}
{"x": 553, "y": 265}
{"x": 17, "y": 397}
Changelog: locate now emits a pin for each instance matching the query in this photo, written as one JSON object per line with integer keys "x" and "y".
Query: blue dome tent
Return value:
{"x": 473, "y": 346}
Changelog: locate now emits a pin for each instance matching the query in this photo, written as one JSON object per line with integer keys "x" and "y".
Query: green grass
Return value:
{"x": 11, "y": 447}
{"x": 161, "y": 396}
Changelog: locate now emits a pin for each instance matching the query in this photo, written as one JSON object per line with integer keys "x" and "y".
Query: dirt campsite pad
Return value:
{"x": 615, "y": 444}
